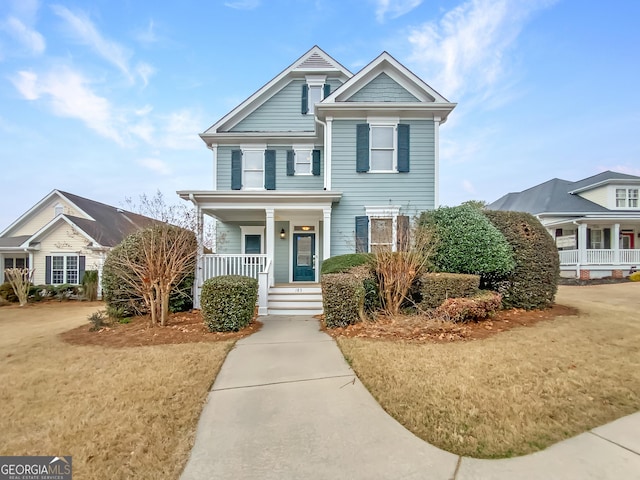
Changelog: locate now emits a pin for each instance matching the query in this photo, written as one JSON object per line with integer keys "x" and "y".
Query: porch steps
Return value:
{"x": 305, "y": 299}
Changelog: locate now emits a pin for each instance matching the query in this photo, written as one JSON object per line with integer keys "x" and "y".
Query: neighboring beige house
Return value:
{"x": 63, "y": 235}
{"x": 595, "y": 221}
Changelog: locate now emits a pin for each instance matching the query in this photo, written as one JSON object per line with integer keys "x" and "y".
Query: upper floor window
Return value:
{"x": 253, "y": 168}
{"x": 382, "y": 147}
{"x": 314, "y": 91}
{"x": 303, "y": 160}
{"x": 626, "y": 198}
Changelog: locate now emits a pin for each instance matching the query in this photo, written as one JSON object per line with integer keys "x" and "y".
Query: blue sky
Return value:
{"x": 105, "y": 98}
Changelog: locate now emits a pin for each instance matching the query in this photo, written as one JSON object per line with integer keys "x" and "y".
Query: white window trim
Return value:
{"x": 297, "y": 148}
{"x": 384, "y": 122}
{"x": 389, "y": 212}
{"x": 251, "y": 230}
{"x": 252, "y": 148}
{"x": 601, "y": 242}
{"x": 65, "y": 269}
{"x": 314, "y": 81}
{"x": 627, "y": 197}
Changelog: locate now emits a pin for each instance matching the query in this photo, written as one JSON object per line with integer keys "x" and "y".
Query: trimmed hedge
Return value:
{"x": 533, "y": 283}
{"x": 228, "y": 303}
{"x": 435, "y": 288}
{"x": 343, "y": 296}
{"x": 635, "y": 277}
{"x": 477, "y": 307}
{"x": 467, "y": 242}
{"x": 344, "y": 263}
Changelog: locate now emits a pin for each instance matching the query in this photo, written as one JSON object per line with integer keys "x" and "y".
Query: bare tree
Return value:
{"x": 20, "y": 280}
{"x": 152, "y": 263}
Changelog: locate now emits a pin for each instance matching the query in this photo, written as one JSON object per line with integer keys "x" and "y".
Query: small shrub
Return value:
{"x": 343, "y": 296}
{"x": 635, "y": 277}
{"x": 477, "y": 307}
{"x": 228, "y": 303}
{"x": 125, "y": 320}
{"x": 344, "y": 263}
{"x": 90, "y": 285}
{"x": 7, "y": 293}
{"x": 435, "y": 288}
{"x": 367, "y": 276}
{"x": 66, "y": 292}
{"x": 98, "y": 320}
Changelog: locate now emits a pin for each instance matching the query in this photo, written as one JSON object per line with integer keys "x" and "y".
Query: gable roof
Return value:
{"x": 314, "y": 61}
{"x": 559, "y": 196}
{"x": 105, "y": 225}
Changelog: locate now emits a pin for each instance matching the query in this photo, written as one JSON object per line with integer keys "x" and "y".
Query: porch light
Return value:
{"x": 306, "y": 228}
{"x": 283, "y": 234}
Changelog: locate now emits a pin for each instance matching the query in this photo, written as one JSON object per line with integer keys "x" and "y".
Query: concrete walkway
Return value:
{"x": 286, "y": 405}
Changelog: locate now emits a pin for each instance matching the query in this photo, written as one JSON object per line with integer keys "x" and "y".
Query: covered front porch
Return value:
{"x": 275, "y": 237}
{"x": 596, "y": 248}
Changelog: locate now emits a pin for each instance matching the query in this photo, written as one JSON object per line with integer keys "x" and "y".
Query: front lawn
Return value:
{"x": 120, "y": 412}
{"x": 518, "y": 391}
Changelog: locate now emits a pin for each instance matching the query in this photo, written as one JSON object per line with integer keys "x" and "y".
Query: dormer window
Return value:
{"x": 314, "y": 91}
{"x": 626, "y": 198}
{"x": 58, "y": 210}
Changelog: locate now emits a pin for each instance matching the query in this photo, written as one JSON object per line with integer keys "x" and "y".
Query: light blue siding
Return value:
{"x": 283, "y": 182}
{"x": 412, "y": 191}
{"x": 281, "y": 112}
{"x": 383, "y": 89}
{"x": 227, "y": 238}
{"x": 281, "y": 264}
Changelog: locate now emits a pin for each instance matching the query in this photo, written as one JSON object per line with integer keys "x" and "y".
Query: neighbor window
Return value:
{"x": 626, "y": 197}
{"x": 596, "y": 239}
{"x": 64, "y": 269}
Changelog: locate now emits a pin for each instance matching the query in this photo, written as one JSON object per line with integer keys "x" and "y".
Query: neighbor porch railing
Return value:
{"x": 601, "y": 256}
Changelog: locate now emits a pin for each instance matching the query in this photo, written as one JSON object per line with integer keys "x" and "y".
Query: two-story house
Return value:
{"x": 318, "y": 162}
{"x": 595, "y": 221}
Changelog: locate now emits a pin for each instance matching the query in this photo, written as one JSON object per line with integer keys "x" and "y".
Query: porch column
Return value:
{"x": 199, "y": 257}
{"x": 326, "y": 233}
{"x": 2, "y": 267}
{"x": 582, "y": 245}
{"x": 615, "y": 243}
{"x": 270, "y": 240}
{"x": 436, "y": 143}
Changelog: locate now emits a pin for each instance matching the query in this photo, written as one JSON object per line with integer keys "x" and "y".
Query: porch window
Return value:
{"x": 596, "y": 239}
{"x": 16, "y": 262}
{"x": 626, "y": 198}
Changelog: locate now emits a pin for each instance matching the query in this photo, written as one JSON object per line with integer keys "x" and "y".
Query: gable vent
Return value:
{"x": 315, "y": 61}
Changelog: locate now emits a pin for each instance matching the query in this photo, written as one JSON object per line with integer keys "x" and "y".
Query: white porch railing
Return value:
{"x": 246, "y": 265}
{"x": 601, "y": 257}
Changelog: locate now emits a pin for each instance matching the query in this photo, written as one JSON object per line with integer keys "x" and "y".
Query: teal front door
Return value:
{"x": 304, "y": 247}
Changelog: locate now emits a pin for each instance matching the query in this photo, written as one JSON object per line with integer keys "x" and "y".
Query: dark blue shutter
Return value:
{"x": 82, "y": 265}
{"x": 291, "y": 166}
{"x": 362, "y": 147}
{"x": 326, "y": 89}
{"x": 47, "y": 269}
{"x": 270, "y": 169}
{"x": 403, "y": 235}
{"x": 236, "y": 170}
{"x": 362, "y": 234}
{"x": 403, "y": 147}
{"x": 305, "y": 99}
{"x": 315, "y": 166}
{"x": 606, "y": 234}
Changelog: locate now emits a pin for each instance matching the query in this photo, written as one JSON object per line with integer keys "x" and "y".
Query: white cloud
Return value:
{"x": 148, "y": 35}
{"x": 467, "y": 50}
{"x": 26, "y": 36}
{"x": 144, "y": 70}
{"x": 394, "y": 8}
{"x": 243, "y": 4}
{"x": 468, "y": 187}
{"x": 180, "y": 130}
{"x": 86, "y": 32}
{"x": 68, "y": 95}
{"x": 155, "y": 165}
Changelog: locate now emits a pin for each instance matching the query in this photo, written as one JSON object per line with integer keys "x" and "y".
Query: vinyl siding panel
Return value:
{"x": 412, "y": 191}
{"x": 228, "y": 238}
{"x": 382, "y": 89}
{"x": 43, "y": 216}
{"x": 600, "y": 196}
{"x": 283, "y": 182}
{"x": 282, "y": 257}
{"x": 62, "y": 240}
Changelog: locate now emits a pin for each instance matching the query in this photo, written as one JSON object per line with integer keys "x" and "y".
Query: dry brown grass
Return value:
{"x": 121, "y": 413}
{"x": 518, "y": 391}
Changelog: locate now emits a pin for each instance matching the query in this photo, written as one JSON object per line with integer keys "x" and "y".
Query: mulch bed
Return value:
{"x": 184, "y": 327}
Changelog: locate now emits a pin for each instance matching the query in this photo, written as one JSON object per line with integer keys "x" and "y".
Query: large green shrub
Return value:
{"x": 343, "y": 263}
{"x": 343, "y": 297}
{"x": 228, "y": 303}
{"x": 467, "y": 242}
{"x": 533, "y": 283}
{"x": 435, "y": 288}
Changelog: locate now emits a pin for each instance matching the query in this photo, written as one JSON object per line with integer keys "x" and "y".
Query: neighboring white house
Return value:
{"x": 318, "y": 162}
{"x": 595, "y": 221}
{"x": 63, "y": 235}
